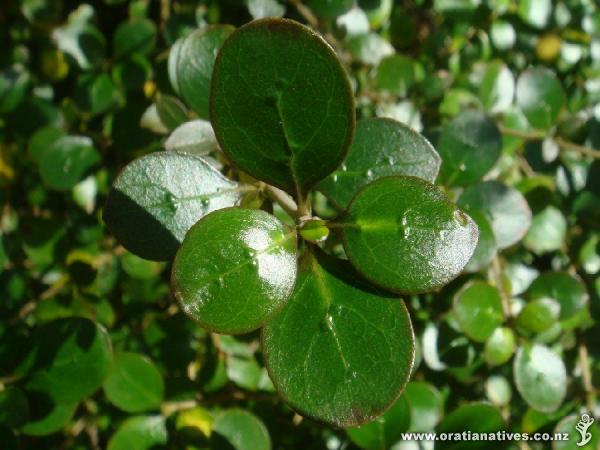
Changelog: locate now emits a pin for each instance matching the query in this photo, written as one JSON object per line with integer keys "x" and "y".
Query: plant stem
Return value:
{"x": 563, "y": 143}
{"x": 586, "y": 378}
{"x": 284, "y": 200}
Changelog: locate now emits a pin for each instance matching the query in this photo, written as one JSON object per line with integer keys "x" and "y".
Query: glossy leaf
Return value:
{"x": 339, "y": 351}
{"x": 384, "y": 431}
{"x": 171, "y": 111}
{"x": 548, "y": 231}
{"x": 242, "y": 430}
{"x": 505, "y": 208}
{"x": 196, "y": 137}
{"x": 497, "y": 87}
{"x": 469, "y": 146}
{"x": 137, "y": 36}
{"x": 134, "y": 383}
{"x": 426, "y": 405}
{"x": 70, "y": 359}
{"x": 157, "y": 198}
{"x": 405, "y": 235}
{"x": 540, "y": 96}
{"x": 395, "y": 74}
{"x": 330, "y": 8}
{"x": 139, "y": 432}
{"x": 477, "y": 417}
{"x": 289, "y": 124}
{"x": 562, "y": 287}
{"x": 500, "y": 346}
{"x": 47, "y": 416}
{"x": 538, "y": 315}
{"x": 66, "y": 161}
{"x": 191, "y": 63}
{"x": 235, "y": 269}
{"x": 486, "y": 248}
{"x": 381, "y": 147}
{"x": 541, "y": 377}
{"x": 478, "y": 309}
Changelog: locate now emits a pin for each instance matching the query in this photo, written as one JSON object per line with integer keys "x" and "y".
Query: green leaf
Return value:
{"x": 42, "y": 139}
{"x": 330, "y": 8}
{"x": 404, "y": 234}
{"x": 96, "y": 94}
{"x": 498, "y": 390}
{"x": 478, "y": 309}
{"x": 191, "y": 63}
{"x": 395, "y": 74}
{"x": 384, "y": 431}
{"x": 171, "y": 111}
{"x": 235, "y": 269}
{"x": 568, "y": 425}
{"x": 281, "y": 104}
{"x": 538, "y": 315}
{"x": 70, "y": 359}
{"x": 505, "y": 208}
{"x": 541, "y": 377}
{"x": 477, "y": 417}
{"x": 548, "y": 231}
{"x": 134, "y": 383}
{"x": 134, "y": 37}
{"x": 500, "y": 346}
{"x": 486, "y": 245}
{"x": 339, "y": 351}
{"x": 47, "y": 416}
{"x": 14, "y": 82}
{"x": 84, "y": 42}
{"x": 14, "y": 407}
{"x": 469, "y": 145}
{"x": 158, "y": 197}
{"x": 243, "y": 431}
{"x": 535, "y": 12}
{"x": 196, "y": 137}
{"x": 66, "y": 161}
{"x": 541, "y": 97}
{"x": 497, "y": 87}
{"x": 140, "y": 433}
{"x": 566, "y": 289}
{"x": 381, "y": 147}
{"x": 426, "y": 405}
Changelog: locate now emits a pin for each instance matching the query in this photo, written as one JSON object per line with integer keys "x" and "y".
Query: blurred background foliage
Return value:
{"x": 94, "y": 353}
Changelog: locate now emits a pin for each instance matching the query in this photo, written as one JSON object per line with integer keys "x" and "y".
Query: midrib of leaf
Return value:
{"x": 277, "y": 242}
{"x": 328, "y": 296}
{"x": 149, "y": 395}
{"x": 201, "y": 197}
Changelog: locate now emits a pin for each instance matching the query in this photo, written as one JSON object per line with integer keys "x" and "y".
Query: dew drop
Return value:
{"x": 327, "y": 323}
{"x": 354, "y": 374}
{"x": 461, "y": 218}
{"x": 369, "y": 174}
{"x": 462, "y": 167}
{"x": 205, "y": 202}
{"x": 403, "y": 227}
{"x": 335, "y": 177}
{"x": 391, "y": 160}
{"x": 344, "y": 167}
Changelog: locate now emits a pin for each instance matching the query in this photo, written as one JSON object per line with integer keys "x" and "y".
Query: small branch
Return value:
{"x": 586, "y": 378}
{"x": 505, "y": 296}
{"x": 306, "y": 13}
{"x": 32, "y": 304}
{"x": 283, "y": 199}
{"x": 563, "y": 143}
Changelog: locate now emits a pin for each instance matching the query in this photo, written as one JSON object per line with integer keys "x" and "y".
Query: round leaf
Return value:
{"x": 134, "y": 383}
{"x": 500, "y": 346}
{"x": 281, "y": 104}
{"x": 47, "y": 416}
{"x": 426, "y": 405}
{"x": 497, "y": 87}
{"x": 469, "y": 145}
{"x": 235, "y": 268}
{"x": 476, "y": 417}
{"x": 191, "y": 63}
{"x": 395, "y": 74}
{"x": 71, "y": 359}
{"x": 566, "y": 289}
{"x": 541, "y": 377}
{"x": 384, "y": 431}
{"x": 486, "y": 245}
{"x": 139, "y": 433}
{"x": 66, "y": 161}
{"x": 196, "y": 137}
{"x": 548, "y": 231}
{"x": 244, "y": 431}
{"x": 381, "y": 147}
{"x": 505, "y": 208}
{"x": 478, "y": 309}
{"x": 538, "y": 315}
{"x": 404, "y": 234}
{"x": 158, "y": 197}
{"x": 541, "y": 97}
{"x": 339, "y": 352}
{"x": 137, "y": 36}
{"x": 330, "y": 8}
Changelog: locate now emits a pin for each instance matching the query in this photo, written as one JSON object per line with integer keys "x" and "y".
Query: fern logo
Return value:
{"x": 582, "y": 426}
